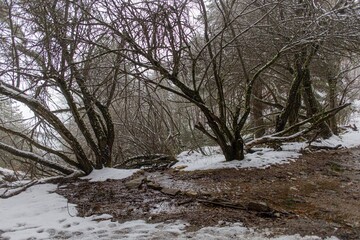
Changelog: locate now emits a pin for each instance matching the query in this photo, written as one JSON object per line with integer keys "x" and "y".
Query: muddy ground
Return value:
{"x": 319, "y": 194}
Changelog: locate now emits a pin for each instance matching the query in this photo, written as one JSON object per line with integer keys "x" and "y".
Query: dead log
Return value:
{"x": 280, "y": 137}
{"x": 261, "y": 209}
{"x": 222, "y": 203}
{"x": 154, "y": 161}
{"x": 317, "y": 148}
{"x": 10, "y": 192}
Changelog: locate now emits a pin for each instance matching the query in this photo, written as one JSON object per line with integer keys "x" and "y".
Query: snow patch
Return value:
{"x": 261, "y": 158}
{"x": 109, "y": 173}
{"x": 265, "y": 157}
{"x": 39, "y": 213}
{"x": 238, "y": 231}
{"x": 7, "y": 173}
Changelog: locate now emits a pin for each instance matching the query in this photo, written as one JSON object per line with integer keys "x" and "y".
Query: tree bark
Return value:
{"x": 36, "y": 158}
{"x": 332, "y": 104}
{"x": 257, "y": 111}
{"x": 294, "y": 113}
{"x": 282, "y": 119}
{"x": 235, "y": 151}
{"x": 312, "y": 105}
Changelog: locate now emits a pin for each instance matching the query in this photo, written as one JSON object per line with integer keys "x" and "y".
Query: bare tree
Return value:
{"x": 325, "y": 29}
{"x": 55, "y": 60}
{"x": 207, "y": 62}
{"x": 145, "y": 122}
{"x": 75, "y": 63}
{"x": 160, "y": 37}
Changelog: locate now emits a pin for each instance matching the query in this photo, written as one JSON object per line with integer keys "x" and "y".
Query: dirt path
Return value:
{"x": 318, "y": 194}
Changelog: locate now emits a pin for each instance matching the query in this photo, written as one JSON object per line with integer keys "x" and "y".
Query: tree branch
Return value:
{"x": 42, "y": 147}
{"x": 278, "y": 137}
{"x": 36, "y": 158}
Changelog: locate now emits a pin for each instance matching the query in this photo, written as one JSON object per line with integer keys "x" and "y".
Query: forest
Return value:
{"x": 104, "y": 81}
{"x": 177, "y": 119}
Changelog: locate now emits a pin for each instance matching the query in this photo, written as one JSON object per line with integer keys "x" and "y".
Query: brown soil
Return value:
{"x": 319, "y": 194}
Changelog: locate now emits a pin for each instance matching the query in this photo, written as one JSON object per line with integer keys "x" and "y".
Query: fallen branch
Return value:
{"x": 222, "y": 203}
{"x": 279, "y": 136}
{"x": 36, "y": 158}
{"x": 352, "y": 127}
{"x": 15, "y": 191}
{"x": 316, "y": 148}
{"x": 149, "y": 161}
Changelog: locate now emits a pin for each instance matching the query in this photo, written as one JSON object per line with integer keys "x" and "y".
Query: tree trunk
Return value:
{"x": 257, "y": 111}
{"x": 294, "y": 113}
{"x": 282, "y": 119}
{"x": 233, "y": 152}
{"x": 312, "y": 105}
{"x": 332, "y": 104}
{"x": 229, "y": 141}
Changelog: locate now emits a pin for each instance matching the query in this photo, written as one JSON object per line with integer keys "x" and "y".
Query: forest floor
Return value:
{"x": 318, "y": 194}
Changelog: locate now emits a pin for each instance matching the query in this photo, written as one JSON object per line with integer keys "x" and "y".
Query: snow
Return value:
{"x": 39, "y": 213}
{"x": 8, "y": 176}
{"x": 3, "y": 171}
{"x": 261, "y": 158}
{"x": 109, "y": 173}
{"x": 6, "y": 171}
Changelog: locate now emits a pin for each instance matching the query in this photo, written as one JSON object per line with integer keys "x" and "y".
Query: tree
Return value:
{"x": 54, "y": 58}
{"x": 207, "y": 62}
{"x": 71, "y": 61}
{"x": 145, "y": 122}
{"x": 159, "y": 37}
{"x": 327, "y": 27}
{"x": 10, "y": 117}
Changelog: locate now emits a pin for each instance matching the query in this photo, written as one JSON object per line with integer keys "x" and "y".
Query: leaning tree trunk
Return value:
{"x": 332, "y": 104}
{"x": 283, "y": 118}
{"x": 294, "y": 113}
{"x": 257, "y": 111}
{"x": 312, "y": 105}
{"x": 45, "y": 114}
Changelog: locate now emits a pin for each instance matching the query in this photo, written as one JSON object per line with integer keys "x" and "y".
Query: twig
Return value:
{"x": 67, "y": 208}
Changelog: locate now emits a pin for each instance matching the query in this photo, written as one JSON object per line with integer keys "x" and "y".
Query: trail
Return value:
{"x": 316, "y": 195}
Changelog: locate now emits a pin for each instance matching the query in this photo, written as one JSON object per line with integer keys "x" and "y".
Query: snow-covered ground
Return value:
{"x": 262, "y": 157}
{"x": 265, "y": 157}
{"x": 39, "y": 213}
{"x": 109, "y": 173}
